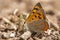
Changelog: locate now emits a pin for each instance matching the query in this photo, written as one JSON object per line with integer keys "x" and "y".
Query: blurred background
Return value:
{"x": 13, "y": 14}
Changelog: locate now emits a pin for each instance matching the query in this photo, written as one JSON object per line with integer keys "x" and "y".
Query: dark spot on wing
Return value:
{"x": 33, "y": 12}
{"x": 35, "y": 16}
{"x": 32, "y": 19}
{"x": 39, "y": 17}
{"x": 39, "y": 14}
{"x": 35, "y": 8}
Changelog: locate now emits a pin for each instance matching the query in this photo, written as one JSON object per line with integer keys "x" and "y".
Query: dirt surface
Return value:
{"x": 13, "y": 14}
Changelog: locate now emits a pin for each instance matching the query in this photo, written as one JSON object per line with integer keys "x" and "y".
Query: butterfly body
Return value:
{"x": 36, "y": 21}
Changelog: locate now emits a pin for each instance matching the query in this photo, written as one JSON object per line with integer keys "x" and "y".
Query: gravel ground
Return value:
{"x": 13, "y": 14}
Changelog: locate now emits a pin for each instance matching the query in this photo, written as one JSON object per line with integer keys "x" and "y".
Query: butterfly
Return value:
{"x": 37, "y": 20}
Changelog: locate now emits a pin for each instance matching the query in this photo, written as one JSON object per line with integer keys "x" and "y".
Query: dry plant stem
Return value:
{"x": 57, "y": 12}
{"x": 50, "y": 21}
{"x": 2, "y": 27}
{"x": 15, "y": 11}
{"x": 6, "y": 20}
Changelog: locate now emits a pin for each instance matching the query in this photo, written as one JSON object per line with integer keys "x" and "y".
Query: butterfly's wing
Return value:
{"x": 36, "y": 14}
{"x": 36, "y": 21}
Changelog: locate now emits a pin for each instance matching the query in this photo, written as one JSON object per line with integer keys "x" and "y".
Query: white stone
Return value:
{"x": 26, "y": 35}
{"x": 12, "y": 34}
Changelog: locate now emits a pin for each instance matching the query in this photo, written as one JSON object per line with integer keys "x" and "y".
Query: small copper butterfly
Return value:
{"x": 36, "y": 21}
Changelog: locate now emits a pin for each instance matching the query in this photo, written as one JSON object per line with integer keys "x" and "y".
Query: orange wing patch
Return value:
{"x": 36, "y": 14}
